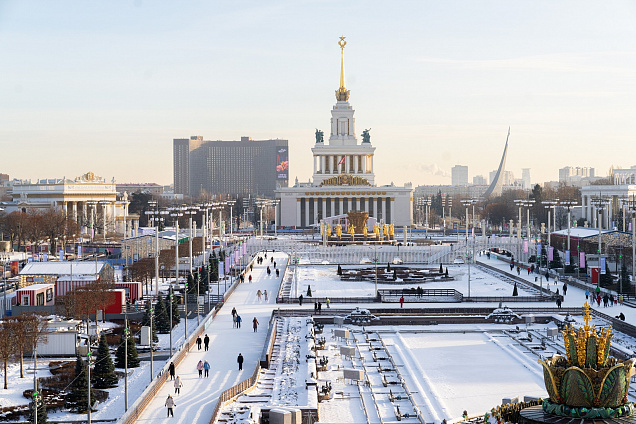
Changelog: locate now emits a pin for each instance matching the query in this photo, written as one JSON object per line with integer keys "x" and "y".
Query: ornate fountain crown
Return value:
{"x": 587, "y": 348}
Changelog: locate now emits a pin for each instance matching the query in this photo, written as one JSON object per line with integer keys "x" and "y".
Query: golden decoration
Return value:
{"x": 345, "y": 179}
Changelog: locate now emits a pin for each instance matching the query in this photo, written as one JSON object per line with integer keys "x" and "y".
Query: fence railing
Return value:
{"x": 234, "y": 391}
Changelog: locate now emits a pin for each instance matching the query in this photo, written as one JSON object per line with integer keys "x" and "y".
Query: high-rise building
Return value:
{"x": 256, "y": 167}
{"x": 525, "y": 178}
{"x": 571, "y": 174}
{"x": 479, "y": 180}
{"x": 459, "y": 175}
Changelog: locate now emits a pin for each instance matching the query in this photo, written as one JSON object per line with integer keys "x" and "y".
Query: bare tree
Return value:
{"x": 20, "y": 326}
{"x": 166, "y": 260}
{"x": 35, "y": 228}
{"x": 53, "y": 226}
{"x": 6, "y": 346}
{"x": 15, "y": 225}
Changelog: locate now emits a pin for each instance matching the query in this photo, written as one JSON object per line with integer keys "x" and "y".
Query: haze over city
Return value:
{"x": 107, "y": 86}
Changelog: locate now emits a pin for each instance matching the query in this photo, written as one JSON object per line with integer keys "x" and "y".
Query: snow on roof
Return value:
{"x": 36, "y": 287}
{"x": 582, "y": 232}
{"x": 63, "y": 268}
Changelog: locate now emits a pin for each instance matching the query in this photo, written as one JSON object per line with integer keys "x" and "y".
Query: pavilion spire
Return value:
{"x": 342, "y": 94}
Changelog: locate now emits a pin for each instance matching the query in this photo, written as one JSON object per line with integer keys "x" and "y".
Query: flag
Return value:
{"x": 551, "y": 253}
{"x": 582, "y": 260}
{"x": 567, "y": 257}
{"x": 603, "y": 265}
{"x": 341, "y": 161}
{"x": 221, "y": 268}
{"x": 79, "y": 252}
{"x": 538, "y": 249}
{"x": 525, "y": 246}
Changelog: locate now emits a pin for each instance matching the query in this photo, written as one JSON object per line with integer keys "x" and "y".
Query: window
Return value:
{"x": 49, "y": 295}
{"x": 39, "y": 299}
{"x": 25, "y": 300}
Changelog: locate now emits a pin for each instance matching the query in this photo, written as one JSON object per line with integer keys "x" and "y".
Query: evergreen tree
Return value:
{"x": 446, "y": 273}
{"x": 41, "y": 411}
{"x": 556, "y": 260}
{"x": 441, "y": 270}
{"x": 214, "y": 267}
{"x": 515, "y": 292}
{"x": 308, "y": 291}
{"x": 77, "y": 399}
{"x": 146, "y": 321}
{"x": 176, "y": 317}
{"x": 388, "y": 267}
{"x": 339, "y": 270}
{"x": 190, "y": 287}
{"x": 394, "y": 274}
{"x": 626, "y": 286}
{"x": 162, "y": 320}
{"x": 133, "y": 359}
{"x": 103, "y": 374}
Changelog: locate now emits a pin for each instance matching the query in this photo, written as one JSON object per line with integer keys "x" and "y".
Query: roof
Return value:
{"x": 583, "y": 232}
{"x": 63, "y": 268}
{"x": 36, "y": 287}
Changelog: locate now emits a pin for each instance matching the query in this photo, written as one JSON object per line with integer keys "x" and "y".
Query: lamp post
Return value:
{"x": 88, "y": 368}
{"x": 231, "y": 204}
{"x": 276, "y": 202}
{"x": 569, "y": 204}
{"x": 261, "y": 203}
{"x": 599, "y": 203}
{"x": 375, "y": 260}
{"x": 175, "y": 213}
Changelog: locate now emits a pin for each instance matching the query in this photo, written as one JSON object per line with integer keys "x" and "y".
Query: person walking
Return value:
{"x": 200, "y": 368}
{"x": 277, "y": 273}
{"x": 598, "y": 300}
{"x": 234, "y": 315}
{"x": 206, "y": 369}
{"x": 171, "y": 370}
{"x": 328, "y": 302}
{"x": 401, "y": 301}
{"x": 259, "y": 294}
{"x": 274, "y": 264}
{"x": 240, "y": 361}
{"x": 238, "y": 321}
{"x": 518, "y": 270}
{"x": 319, "y": 307}
{"x": 269, "y": 272}
{"x": 587, "y": 294}
{"x": 300, "y": 300}
{"x": 170, "y": 405}
{"x": 199, "y": 343}
{"x": 620, "y": 299}
{"x": 251, "y": 269}
{"x": 558, "y": 302}
{"x": 265, "y": 294}
{"x": 528, "y": 270}
{"x": 206, "y": 342}
{"x": 255, "y": 324}
{"x": 250, "y": 278}
{"x": 177, "y": 385}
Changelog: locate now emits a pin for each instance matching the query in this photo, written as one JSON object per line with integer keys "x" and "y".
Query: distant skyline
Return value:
{"x": 107, "y": 86}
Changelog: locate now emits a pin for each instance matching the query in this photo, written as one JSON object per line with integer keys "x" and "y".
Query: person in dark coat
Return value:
{"x": 206, "y": 342}
{"x": 255, "y": 324}
{"x": 300, "y": 300}
{"x": 240, "y": 361}
{"x": 565, "y": 289}
{"x": 558, "y": 301}
{"x": 238, "y": 321}
{"x": 171, "y": 370}
{"x": 199, "y": 343}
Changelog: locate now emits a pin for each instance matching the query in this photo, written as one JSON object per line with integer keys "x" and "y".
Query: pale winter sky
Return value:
{"x": 105, "y": 86}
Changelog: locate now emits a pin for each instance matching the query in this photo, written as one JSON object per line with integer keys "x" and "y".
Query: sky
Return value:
{"x": 106, "y": 86}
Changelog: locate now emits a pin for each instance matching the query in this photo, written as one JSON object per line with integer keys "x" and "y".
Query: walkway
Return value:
{"x": 198, "y": 396}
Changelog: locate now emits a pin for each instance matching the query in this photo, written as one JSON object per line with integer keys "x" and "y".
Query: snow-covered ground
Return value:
{"x": 456, "y": 371}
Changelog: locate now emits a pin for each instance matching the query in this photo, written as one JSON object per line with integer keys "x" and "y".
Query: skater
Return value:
{"x": 177, "y": 385}
{"x": 315, "y": 307}
{"x": 558, "y": 302}
{"x": 251, "y": 269}
{"x": 621, "y": 316}
{"x": 274, "y": 264}
{"x": 269, "y": 272}
{"x": 528, "y": 270}
{"x": 234, "y": 315}
{"x": 206, "y": 342}
{"x": 328, "y": 302}
{"x": 512, "y": 265}
{"x": 271, "y": 260}
{"x": 259, "y": 294}
{"x": 605, "y": 300}
{"x": 240, "y": 361}
{"x": 401, "y": 301}
{"x": 620, "y": 299}
{"x": 255, "y": 324}
{"x": 598, "y": 300}
{"x": 170, "y": 404}
{"x": 199, "y": 343}
{"x": 300, "y": 300}
{"x": 518, "y": 270}
{"x": 250, "y": 278}
{"x": 547, "y": 276}
{"x": 277, "y": 273}
{"x": 200, "y": 368}
{"x": 265, "y": 294}
{"x": 206, "y": 369}
{"x": 171, "y": 370}
{"x": 565, "y": 289}
{"x": 238, "y": 321}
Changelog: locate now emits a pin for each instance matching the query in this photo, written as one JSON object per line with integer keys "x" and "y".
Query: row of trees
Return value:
{"x": 37, "y": 226}
{"x": 18, "y": 336}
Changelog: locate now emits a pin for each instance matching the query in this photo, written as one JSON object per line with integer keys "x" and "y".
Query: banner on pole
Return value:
{"x": 221, "y": 268}
{"x": 79, "y": 252}
{"x": 582, "y": 260}
{"x": 525, "y": 246}
{"x": 602, "y": 264}
{"x": 538, "y": 250}
{"x": 567, "y": 257}
{"x": 550, "y": 253}
{"x": 61, "y": 254}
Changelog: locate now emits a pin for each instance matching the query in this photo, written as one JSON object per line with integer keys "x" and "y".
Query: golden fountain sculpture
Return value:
{"x": 588, "y": 383}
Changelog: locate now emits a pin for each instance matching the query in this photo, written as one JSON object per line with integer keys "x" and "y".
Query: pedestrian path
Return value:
{"x": 197, "y": 400}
